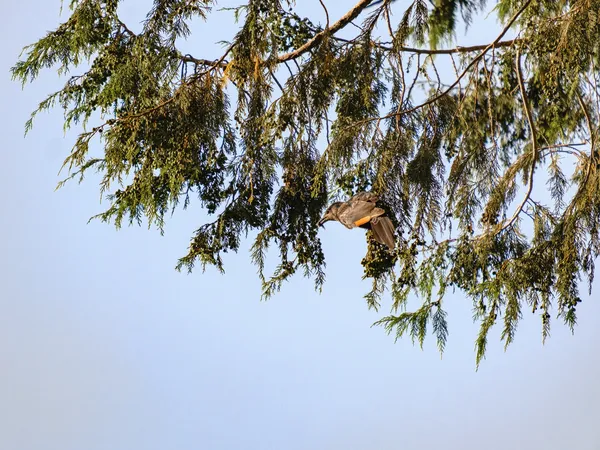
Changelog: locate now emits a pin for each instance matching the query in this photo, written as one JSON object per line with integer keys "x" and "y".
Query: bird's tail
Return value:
{"x": 383, "y": 231}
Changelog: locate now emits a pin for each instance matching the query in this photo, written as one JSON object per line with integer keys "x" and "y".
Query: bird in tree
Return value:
{"x": 362, "y": 211}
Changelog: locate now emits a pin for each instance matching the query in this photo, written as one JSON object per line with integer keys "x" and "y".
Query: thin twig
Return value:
{"x": 388, "y": 21}
{"x": 534, "y": 143}
{"x": 441, "y": 51}
{"x": 125, "y": 27}
{"x": 589, "y": 122}
{"x": 326, "y": 14}
{"x": 203, "y": 62}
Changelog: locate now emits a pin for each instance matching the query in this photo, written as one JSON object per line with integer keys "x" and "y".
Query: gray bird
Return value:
{"x": 362, "y": 211}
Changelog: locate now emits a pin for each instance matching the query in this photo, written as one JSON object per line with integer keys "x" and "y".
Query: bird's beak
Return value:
{"x": 322, "y": 221}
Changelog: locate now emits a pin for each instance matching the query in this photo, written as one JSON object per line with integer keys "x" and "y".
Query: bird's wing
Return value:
{"x": 356, "y": 213}
{"x": 383, "y": 231}
{"x": 365, "y": 197}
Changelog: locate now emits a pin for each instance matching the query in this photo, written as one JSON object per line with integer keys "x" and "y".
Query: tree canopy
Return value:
{"x": 485, "y": 156}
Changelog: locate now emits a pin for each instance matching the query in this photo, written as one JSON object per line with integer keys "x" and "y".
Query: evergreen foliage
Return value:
{"x": 293, "y": 114}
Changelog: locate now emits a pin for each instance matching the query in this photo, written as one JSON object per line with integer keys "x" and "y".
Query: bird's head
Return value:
{"x": 331, "y": 213}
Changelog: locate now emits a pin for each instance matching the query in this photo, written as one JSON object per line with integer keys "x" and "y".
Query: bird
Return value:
{"x": 362, "y": 211}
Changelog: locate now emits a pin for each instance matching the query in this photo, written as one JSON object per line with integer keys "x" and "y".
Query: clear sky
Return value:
{"x": 104, "y": 346}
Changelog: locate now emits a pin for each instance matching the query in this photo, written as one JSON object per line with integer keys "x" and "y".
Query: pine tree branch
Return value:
{"x": 326, "y": 14}
{"x": 212, "y": 65}
{"x": 125, "y": 27}
{"x": 204, "y": 62}
{"x": 345, "y": 20}
{"x": 589, "y": 166}
{"x": 460, "y": 49}
{"x": 441, "y": 51}
{"x": 588, "y": 121}
{"x": 560, "y": 148}
{"x": 458, "y": 79}
{"x": 534, "y": 143}
{"x": 420, "y": 51}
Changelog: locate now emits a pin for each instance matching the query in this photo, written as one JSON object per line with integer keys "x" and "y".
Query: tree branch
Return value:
{"x": 460, "y": 49}
{"x": 441, "y": 51}
{"x": 326, "y": 14}
{"x": 420, "y": 51}
{"x": 534, "y": 143}
{"x": 589, "y": 122}
{"x": 203, "y": 62}
{"x": 345, "y": 20}
{"x": 462, "y": 74}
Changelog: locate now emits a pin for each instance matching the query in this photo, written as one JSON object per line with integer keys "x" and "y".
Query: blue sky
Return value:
{"x": 104, "y": 346}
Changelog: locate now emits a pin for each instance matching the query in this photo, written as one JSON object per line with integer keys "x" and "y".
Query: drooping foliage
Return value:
{"x": 485, "y": 156}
